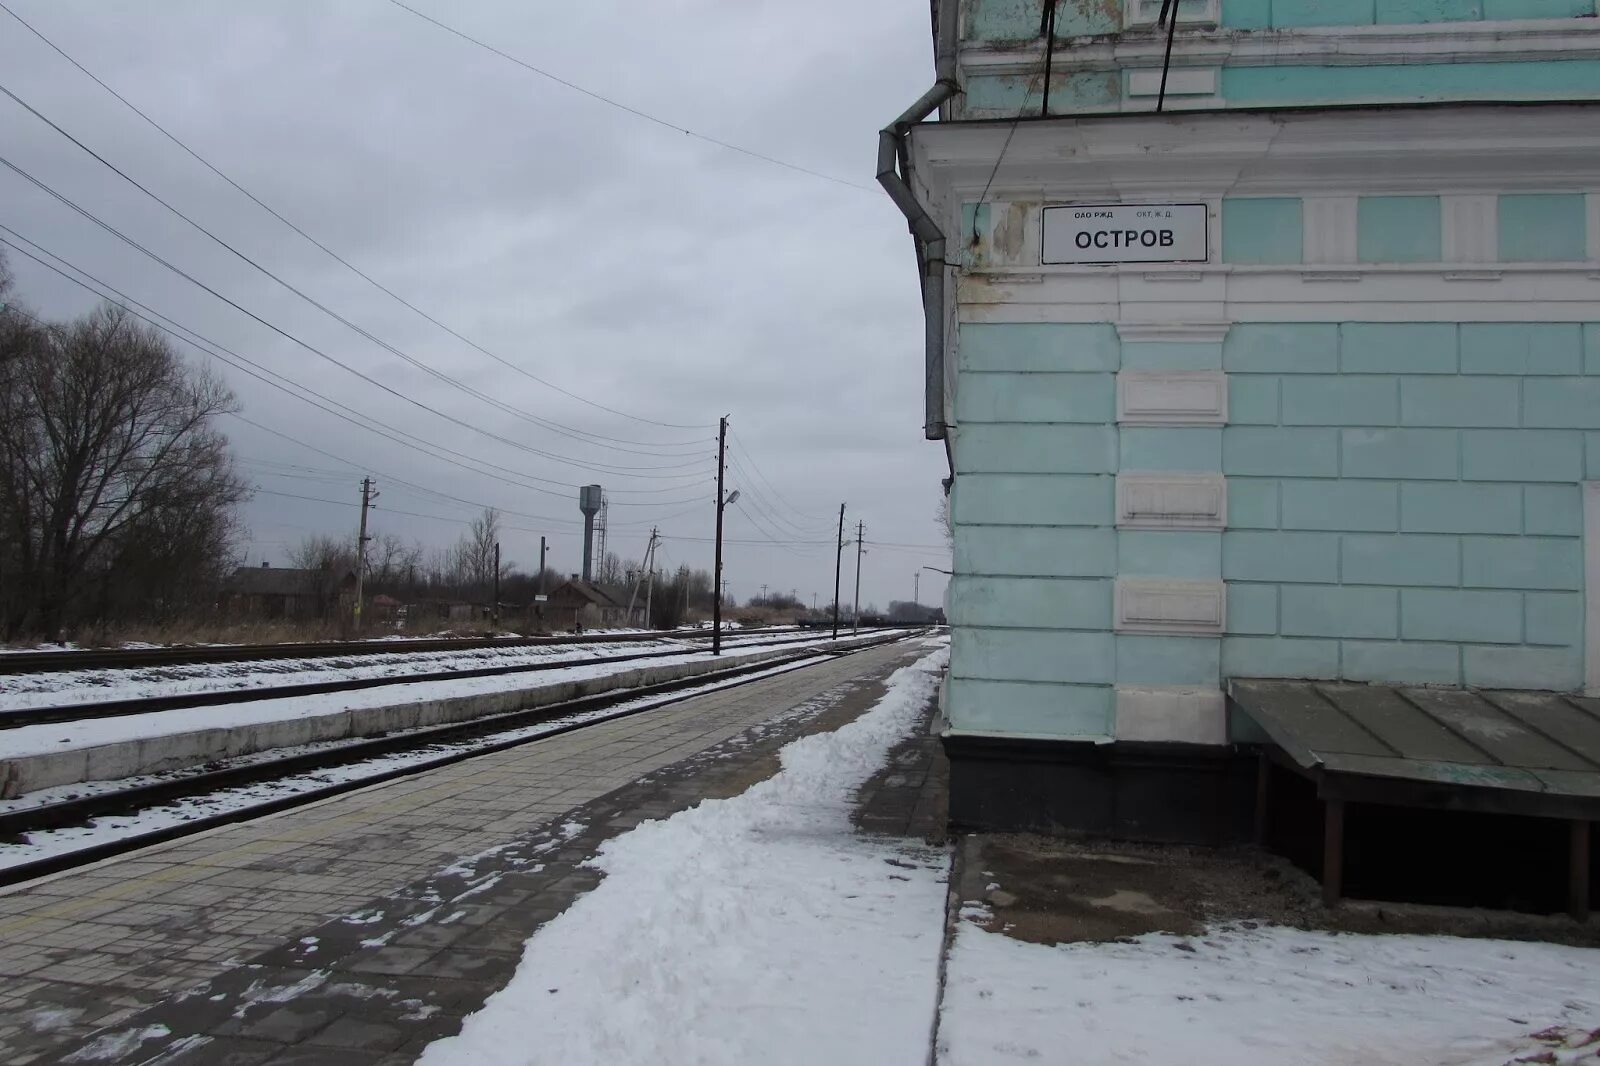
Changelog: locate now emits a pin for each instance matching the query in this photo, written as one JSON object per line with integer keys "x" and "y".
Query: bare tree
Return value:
{"x": 946, "y": 520}
{"x": 474, "y": 553}
{"x": 390, "y": 559}
{"x": 319, "y": 551}
{"x": 106, "y": 437}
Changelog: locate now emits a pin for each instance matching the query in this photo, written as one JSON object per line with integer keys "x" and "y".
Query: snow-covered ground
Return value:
{"x": 69, "y": 687}
{"x": 1269, "y": 995}
{"x": 763, "y": 929}
{"x": 759, "y": 929}
{"x": 64, "y": 736}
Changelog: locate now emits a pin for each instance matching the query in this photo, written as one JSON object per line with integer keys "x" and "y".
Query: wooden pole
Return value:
{"x": 1578, "y": 870}
{"x": 1263, "y": 791}
{"x": 1332, "y": 852}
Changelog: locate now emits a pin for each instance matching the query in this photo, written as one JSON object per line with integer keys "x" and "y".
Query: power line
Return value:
{"x": 330, "y": 476}
{"x": 760, "y": 505}
{"x": 386, "y": 431}
{"x": 325, "y": 309}
{"x": 340, "y": 259}
{"x": 743, "y": 447}
{"x": 597, "y": 467}
{"x": 620, "y": 106}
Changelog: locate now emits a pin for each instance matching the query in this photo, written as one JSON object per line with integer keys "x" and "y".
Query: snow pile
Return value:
{"x": 1269, "y": 995}
{"x": 758, "y": 929}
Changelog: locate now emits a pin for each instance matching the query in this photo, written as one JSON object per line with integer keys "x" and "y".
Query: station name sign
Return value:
{"x": 1126, "y": 233}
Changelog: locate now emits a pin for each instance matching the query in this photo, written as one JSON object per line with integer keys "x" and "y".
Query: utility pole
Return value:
{"x": 650, "y": 589}
{"x": 494, "y": 613}
{"x": 646, "y": 572}
{"x": 861, "y": 532}
{"x": 538, "y": 588}
{"x": 367, "y": 496}
{"x": 838, "y": 561}
{"x": 716, "y": 577}
{"x": 763, "y": 595}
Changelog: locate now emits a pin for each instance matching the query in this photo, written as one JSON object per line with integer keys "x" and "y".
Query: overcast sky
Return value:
{"x": 637, "y": 267}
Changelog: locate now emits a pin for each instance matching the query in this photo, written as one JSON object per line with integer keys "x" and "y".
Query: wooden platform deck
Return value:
{"x": 1527, "y": 753}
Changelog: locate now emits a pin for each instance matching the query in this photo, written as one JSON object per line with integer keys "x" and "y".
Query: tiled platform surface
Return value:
{"x": 219, "y": 948}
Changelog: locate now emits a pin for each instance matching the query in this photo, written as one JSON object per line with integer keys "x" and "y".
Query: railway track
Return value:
{"x": 433, "y": 746}
{"x": 76, "y": 712}
{"x": 42, "y": 662}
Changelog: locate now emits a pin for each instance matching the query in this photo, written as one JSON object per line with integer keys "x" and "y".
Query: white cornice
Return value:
{"x": 1460, "y": 148}
{"x": 1454, "y": 42}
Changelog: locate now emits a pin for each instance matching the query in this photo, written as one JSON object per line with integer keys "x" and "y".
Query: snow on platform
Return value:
{"x": 757, "y": 929}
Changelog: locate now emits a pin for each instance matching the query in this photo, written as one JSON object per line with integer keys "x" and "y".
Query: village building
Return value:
{"x": 1279, "y": 359}
{"x": 268, "y": 592}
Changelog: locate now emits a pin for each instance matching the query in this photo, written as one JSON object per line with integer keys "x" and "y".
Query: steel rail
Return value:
{"x": 90, "y": 711}
{"x": 78, "y": 811}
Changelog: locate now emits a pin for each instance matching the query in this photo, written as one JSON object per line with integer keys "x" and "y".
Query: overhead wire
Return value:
{"x": 744, "y": 448}
{"x": 328, "y": 476}
{"x": 386, "y": 431}
{"x": 1049, "y": 53}
{"x": 333, "y": 314}
{"x": 597, "y": 467}
{"x": 636, "y": 112}
{"x": 329, "y": 251}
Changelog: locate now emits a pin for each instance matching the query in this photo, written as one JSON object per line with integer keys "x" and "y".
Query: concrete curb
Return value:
{"x": 109, "y": 762}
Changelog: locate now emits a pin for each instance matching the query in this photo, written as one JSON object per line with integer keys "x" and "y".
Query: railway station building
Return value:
{"x": 1268, "y": 375}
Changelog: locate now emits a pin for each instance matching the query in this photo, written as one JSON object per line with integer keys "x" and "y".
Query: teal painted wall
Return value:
{"x": 1016, "y": 23}
{"x": 1294, "y": 14}
{"x": 1533, "y": 227}
{"x": 999, "y": 21}
{"x": 1542, "y": 227}
{"x": 1262, "y": 230}
{"x": 1415, "y": 515}
{"x": 1398, "y": 229}
{"x": 1299, "y": 85}
{"x": 1404, "y": 505}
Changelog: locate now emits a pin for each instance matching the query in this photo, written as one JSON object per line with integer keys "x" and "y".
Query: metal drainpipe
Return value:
{"x": 894, "y": 174}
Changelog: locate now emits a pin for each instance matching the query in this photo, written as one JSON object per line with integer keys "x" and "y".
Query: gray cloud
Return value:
{"x": 628, "y": 263}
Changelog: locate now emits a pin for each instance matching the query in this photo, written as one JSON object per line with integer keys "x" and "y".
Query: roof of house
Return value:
{"x": 598, "y": 594}
{"x": 282, "y": 581}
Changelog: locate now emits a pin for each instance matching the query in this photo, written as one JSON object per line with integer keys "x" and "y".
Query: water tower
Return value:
{"x": 590, "y": 498}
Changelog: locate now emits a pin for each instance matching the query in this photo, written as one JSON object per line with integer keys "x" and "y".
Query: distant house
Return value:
{"x": 596, "y": 606}
{"x": 268, "y": 592}
{"x": 383, "y": 608}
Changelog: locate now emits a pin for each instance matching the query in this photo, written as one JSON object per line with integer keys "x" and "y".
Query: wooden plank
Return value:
{"x": 1399, "y": 724}
{"x": 1505, "y": 738}
{"x": 1588, "y": 703}
{"x": 1555, "y": 717}
{"x": 1461, "y": 775}
{"x": 1583, "y": 783}
{"x": 1302, "y": 722}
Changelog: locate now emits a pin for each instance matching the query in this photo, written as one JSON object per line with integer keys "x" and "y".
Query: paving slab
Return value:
{"x": 364, "y": 927}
